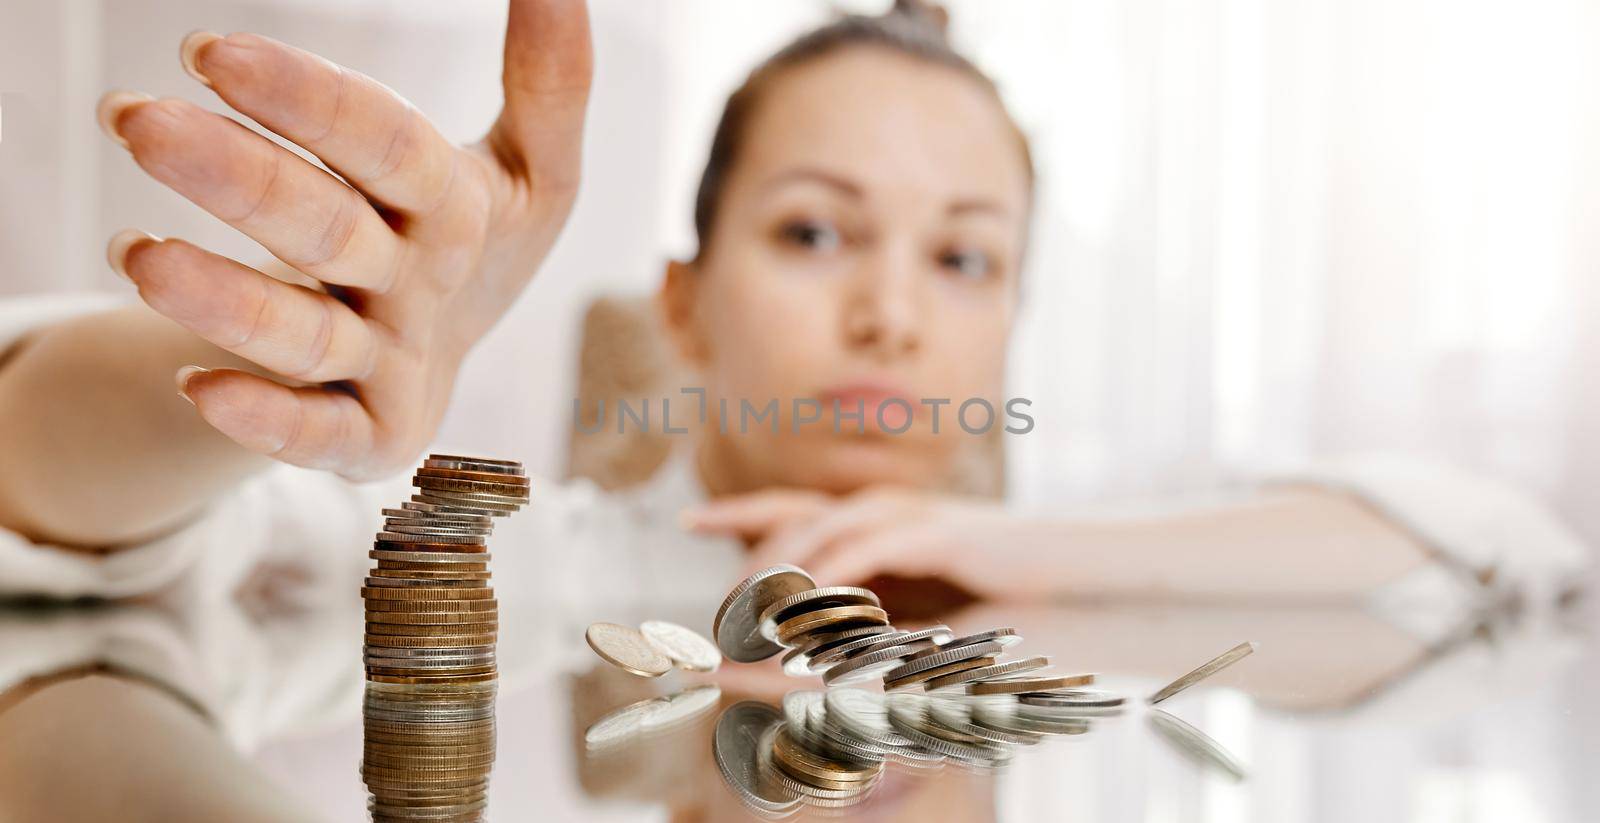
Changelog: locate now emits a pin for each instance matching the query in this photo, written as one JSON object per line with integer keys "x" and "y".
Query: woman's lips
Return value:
{"x": 871, "y": 398}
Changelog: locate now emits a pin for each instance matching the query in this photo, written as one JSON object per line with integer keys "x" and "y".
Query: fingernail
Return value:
{"x": 121, "y": 243}
{"x": 189, "y": 53}
{"x": 183, "y": 375}
{"x": 111, "y": 107}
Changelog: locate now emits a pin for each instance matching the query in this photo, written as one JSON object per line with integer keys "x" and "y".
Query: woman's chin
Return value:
{"x": 846, "y": 464}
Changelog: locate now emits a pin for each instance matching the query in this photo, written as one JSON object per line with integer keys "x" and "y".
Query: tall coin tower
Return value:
{"x": 429, "y": 650}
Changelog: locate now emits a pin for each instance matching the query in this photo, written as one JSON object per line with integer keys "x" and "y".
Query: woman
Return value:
{"x": 862, "y": 224}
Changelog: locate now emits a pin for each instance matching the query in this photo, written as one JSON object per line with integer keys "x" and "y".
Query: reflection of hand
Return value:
{"x": 881, "y": 531}
{"x": 421, "y": 245}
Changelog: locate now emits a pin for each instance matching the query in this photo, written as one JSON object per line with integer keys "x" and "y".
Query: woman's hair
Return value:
{"x": 914, "y": 28}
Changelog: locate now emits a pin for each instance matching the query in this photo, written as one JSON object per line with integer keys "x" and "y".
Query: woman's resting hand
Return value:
{"x": 411, "y": 257}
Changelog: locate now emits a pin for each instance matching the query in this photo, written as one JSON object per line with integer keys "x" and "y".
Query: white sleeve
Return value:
{"x": 1492, "y": 541}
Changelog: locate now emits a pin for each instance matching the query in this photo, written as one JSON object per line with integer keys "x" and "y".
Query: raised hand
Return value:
{"x": 411, "y": 256}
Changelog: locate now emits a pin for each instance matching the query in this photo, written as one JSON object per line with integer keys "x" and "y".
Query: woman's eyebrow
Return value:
{"x": 814, "y": 175}
{"x": 978, "y": 206}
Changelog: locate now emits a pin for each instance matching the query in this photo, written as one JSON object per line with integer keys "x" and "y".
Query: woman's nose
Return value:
{"x": 881, "y": 314}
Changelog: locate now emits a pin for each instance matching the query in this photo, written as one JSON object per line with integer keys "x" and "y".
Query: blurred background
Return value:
{"x": 1268, "y": 231}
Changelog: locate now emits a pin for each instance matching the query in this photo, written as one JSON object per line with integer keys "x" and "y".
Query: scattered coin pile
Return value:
{"x": 429, "y": 650}
{"x": 843, "y": 634}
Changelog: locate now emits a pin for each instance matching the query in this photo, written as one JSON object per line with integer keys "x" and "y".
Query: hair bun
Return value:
{"x": 924, "y": 12}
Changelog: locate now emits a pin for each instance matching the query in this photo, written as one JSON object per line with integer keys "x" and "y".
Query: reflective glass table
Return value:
{"x": 178, "y": 711}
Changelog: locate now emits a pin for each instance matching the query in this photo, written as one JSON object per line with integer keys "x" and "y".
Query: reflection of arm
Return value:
{"x": 89, "y": 412}
{"x": 1308, "y": 659}
{"x": 102, "y": 748}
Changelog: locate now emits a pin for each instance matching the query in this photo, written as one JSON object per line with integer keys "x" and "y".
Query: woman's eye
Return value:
{"x": 811, "y": 234}
{"x": 968, "y": 263}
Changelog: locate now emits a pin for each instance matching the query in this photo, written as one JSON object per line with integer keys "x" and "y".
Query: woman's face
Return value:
{"x": 866, "y": 247}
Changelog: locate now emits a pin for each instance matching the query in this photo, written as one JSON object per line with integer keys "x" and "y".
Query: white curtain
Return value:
{"x": 1268, "y": 230}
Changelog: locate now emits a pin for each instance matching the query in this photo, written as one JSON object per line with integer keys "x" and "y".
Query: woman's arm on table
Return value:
{"x": 412, "y": 252}
{"x": 1289, "y": 544}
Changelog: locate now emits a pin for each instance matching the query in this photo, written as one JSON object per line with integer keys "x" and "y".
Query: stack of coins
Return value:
{"x": 431, "y": 614}
{"x": 429, "y": 650}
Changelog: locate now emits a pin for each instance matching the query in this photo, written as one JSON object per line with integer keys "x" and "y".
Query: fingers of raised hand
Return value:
{"x": 313, "y": 427}
{"x": 302, "y": 214}
{"x": 356, "y": 125}
{"x": 288, "y": 329}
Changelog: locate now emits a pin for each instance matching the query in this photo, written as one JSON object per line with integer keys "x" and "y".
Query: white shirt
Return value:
{"x": 575, "y": 555}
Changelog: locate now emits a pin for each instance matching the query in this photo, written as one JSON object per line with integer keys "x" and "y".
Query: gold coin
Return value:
{"x": 1019, "y": 685}
{"x": 482, "y": 477}
{"x": 432, "y": 618}
{"x": 431, "y": 605}
{"x": 490, "y": 627}
{"x": 627, "y": 649}
{"x": 426, "y": 593}
{"x": 480, "y": 487}
{"x": 831, "y": 619}
{"x": 435, "y": 642}
{"x": 937, "y": 671}
{"x": 407, "y": 574}
{"x": 441, "y": 548}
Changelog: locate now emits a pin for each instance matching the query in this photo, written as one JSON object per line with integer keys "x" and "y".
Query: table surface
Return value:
{"x": 1339, "y": 715}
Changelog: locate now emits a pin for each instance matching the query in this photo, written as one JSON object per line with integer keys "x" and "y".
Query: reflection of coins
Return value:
{"x": 836, "y": 617}
{"x": 737, "y": 623}
{"x": 627, "y": 649}
{"x": 682, "y": 645}
{"x": 1196, "y": 744}
{"x": 735, "y": 747}
{"x": 812, "y": 600}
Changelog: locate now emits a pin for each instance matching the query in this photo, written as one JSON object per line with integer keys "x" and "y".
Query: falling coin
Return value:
{"x": 1211, "y": 667}
{"x": 627, "y": 649}
{"x": 682, "y": 645}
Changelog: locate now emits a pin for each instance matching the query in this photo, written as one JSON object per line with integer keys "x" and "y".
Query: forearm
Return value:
{"x": 100, "y": 450}
{"x": 1291, "y": 545}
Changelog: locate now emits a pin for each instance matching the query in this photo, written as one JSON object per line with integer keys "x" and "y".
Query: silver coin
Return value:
{"x": 735, "y": 745}
{"x": 1006, "y": 637}
{"x": 1196, "y": 744}
{"x": 442, "y": 510}
{"x": 936, "y": 634}
{"x": 475, "y": 498}
{"x": 683, "y": 646}
{"x": 872, "y": 664}
{"x": 429, "y": 651}
{"x": 441, "y": 558}
{"x": 941, "y": 656}
{"x": 492, "y": 509}
{"x": 737, "y": 623}
{"x": 1070, "y": 698}
{"x": 431, "y": 515}
{"x": 464, "y": 540}
{"x": 1210, "y": 667}
{"x": 410, "y": 582}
